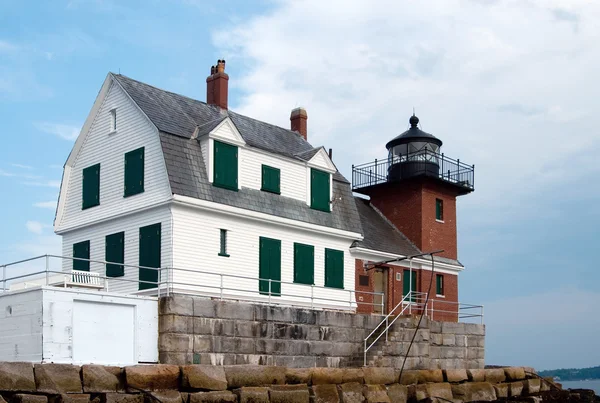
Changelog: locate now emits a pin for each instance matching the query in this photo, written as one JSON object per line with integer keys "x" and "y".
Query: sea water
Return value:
{"x": 593, "y": 384}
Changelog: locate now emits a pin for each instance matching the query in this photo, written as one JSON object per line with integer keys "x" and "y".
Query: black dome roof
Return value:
{"x": 413, "y": 134}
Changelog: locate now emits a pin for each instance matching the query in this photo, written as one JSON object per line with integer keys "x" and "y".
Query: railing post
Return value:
{"x": 349, "y": 299}
{"x": 270, "y": 291}
{"x": 47, "y": 268}
{"x": 382, "y": 296}
{"x": 482, "y": 314}
{"x": 386, "y": 327}
{"x": 3, "y": 278}
{"x": 432, "y": 309}
{"x": 221, "y": 286}
{"x": 312, "y": 296}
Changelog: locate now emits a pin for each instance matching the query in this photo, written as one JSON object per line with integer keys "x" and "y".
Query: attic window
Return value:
{"x": 113, "y": 120}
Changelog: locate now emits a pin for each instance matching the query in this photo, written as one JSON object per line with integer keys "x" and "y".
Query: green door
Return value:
{"x": 406, "y": 281}
{"x": 149, "y": 256}
{"x": 269, "y": 266}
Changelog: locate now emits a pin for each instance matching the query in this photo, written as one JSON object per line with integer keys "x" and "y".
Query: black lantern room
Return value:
{"x": 413, "y": 153}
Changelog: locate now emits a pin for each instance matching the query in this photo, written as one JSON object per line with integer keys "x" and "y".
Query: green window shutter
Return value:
{"x": 223, "y": 241}
{"x": 149, "y": 255}
{"x": 269, "y": 266}
{"x": 271, "y": 178}
{"x": 82, "y": 251}
{"x": 90, "y": 188}
{"x": 439, "y": 209}
{"x": 334, "y": 268}
{"x": 115, "y": 253}
{"x": 319, "y": 190}
{"x": 134, "y": 172}
{"x": 406, "y": 288}
{"x": 439, "y": 284}
{"x": 225, "y": 166}
{"x": 304, "y": 263}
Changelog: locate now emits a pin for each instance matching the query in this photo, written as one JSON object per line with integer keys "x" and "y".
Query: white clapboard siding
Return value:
{"x": 130, "y": 224}
{"x": 321, "y": 160}
{"x": 21, "y": 329}
{"x": 133, "y": 131}
{"x": 292, "y": 174}
{"x": 196, "y": 244}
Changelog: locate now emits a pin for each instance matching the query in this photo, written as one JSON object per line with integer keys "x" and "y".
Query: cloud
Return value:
{"x": 18, "y": 175}
{"x": 51, "y": 205}
{"x": 6, "y": 46}
{"x": 47, "y": 183}
{"x": 28, "y": 167}
{"x": 35, "y": 227}
{"x": 66, "y": 132}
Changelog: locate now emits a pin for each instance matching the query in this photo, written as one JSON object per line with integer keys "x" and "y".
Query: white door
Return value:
{"x": 103, "y": 333}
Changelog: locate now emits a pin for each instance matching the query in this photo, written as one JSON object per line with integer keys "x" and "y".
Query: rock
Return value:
{"x": 409, "y": 377}
{"x": 289, "y": 394}
{"x": 432, "y": 375}
{"x": 70, "y": 398}
{"x": 324, "y": 394}
{"x": 495, "y": 375}
{"x": 547, "y": 383}
{"x": 351, "y": 392}
{"x": 57, "y": 378}
{"x": 376, "y": 394}
{"x": 515, "y": 389}
{"x": 514, "y": 373}
{"x": 253, "y": 394}
{"x": 380, "y": 376}
{"x": 475, "y": 391}
{"x": 298, "y": 375}
{"x": 152, "y": 377}
{"x": 531, "y": 386}
{"x": 24, "y": 398}
{"x": 441, "y": 390}
{"x": 351, "y": 375}
{"x": 502, "y": 390}
{"x": 208, "y": 377}
{"x": 164, "y": 396}
{"x": 253, "y": 375}
{"x": 17, "y": 377}
{"x": 101, "y": 379}
{"x": 123, "y": 398}
{"x": 221, "y": 396}
{"x": 397, "y": 393}
{"x": 476, "y": 375}
{"x": 2, "y": 399}
{"x": 420, "y": 392}
{"x": 327, "y": 376}
{"x": 456, "y": 375}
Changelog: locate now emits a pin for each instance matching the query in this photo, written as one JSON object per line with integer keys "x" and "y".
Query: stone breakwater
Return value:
{"x": 57, "y": 383}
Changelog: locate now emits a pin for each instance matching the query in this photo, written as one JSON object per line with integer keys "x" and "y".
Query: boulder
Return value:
{"x": 123, "y": 398}
{"x": 101, "y": 379}
{"x": 376, "y": 394}
{"x": 409, "y": 377}
{"x": 253, "y": 375}
{"x": 397, "y": 393}
{"x": 476, "y": 375}
{"x": 476, "y": 391}
{"x": 289, "y": 393}
{"x": 431, "y": 375}
{"x": 420, "y": 392}
{"x": 380, "y": 376}
{"x": 57, "y": 378}
{"x": 324, "y": 394}
{"x": 164, "y": 396}
{"x": 25, "y": 398}
{"x": 441, "y": 390}
{"x": 502, "y": 390}
{"x": 327, "y": 376}
{"x": 494, "y": 375}
{"x": 298, "y": 375}
{"x": 221, "y": 396}
{"x": 253, "y": 394}
{"x": 351, "y": 375}
{"x": 152, "y": 377}
{"x": 515, "y": 389}
{"x": 351, "y": 392}
{"x": 514, "y": 373}
{"x": 208, "y": 377}
{"x": 531, "y": 386}
{"x": 17, "y": 377}
{"x": 456, "y": 375}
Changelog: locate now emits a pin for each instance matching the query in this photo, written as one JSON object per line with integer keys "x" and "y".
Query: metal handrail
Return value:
{"x": 169, "y": 283}
{"x": 406, "y": 303}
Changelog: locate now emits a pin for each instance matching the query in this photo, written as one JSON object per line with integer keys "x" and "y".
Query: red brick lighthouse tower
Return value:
{"x": 416, "y": 188}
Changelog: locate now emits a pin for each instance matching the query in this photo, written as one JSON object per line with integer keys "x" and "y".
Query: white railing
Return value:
{"x": 210, "y": 284}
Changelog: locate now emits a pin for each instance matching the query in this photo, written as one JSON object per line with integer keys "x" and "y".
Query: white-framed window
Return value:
{"x": 113, "y": 120}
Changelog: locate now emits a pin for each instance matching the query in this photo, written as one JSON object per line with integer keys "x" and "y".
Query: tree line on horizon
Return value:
{"x": 573, "y": 374}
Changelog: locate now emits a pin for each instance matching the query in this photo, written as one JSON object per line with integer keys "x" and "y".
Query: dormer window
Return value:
{"x": 113, "y": 120}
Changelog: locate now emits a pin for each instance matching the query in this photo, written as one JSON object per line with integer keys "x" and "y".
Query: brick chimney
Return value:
{"x": 217, "y": 85}
{"x": 298, "y": 120}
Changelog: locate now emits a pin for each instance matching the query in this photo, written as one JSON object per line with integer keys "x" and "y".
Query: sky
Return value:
{"x": 510, "y": 86}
